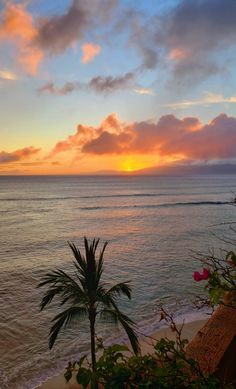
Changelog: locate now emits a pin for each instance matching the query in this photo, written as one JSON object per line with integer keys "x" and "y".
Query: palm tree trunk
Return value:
{"x": 92, "y": 337}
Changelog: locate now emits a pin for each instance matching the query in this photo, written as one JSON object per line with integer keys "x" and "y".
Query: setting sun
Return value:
{"x": 132, "y": 164}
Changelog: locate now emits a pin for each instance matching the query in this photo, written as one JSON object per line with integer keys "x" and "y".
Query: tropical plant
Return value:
{"x": 86, "y": 295}
{"x": 168, "y": 366}
{"x": 220, "y": 274}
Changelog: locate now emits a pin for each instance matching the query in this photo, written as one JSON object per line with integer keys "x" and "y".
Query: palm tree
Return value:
{"x": 86, "y": 295}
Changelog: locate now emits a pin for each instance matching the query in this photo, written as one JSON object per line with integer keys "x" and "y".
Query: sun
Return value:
{"x": 132, "y": 164}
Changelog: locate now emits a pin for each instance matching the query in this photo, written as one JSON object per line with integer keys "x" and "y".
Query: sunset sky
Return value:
{"x": 116, "y": 85}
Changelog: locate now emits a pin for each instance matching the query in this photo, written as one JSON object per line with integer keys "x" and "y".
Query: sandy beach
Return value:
{"x": 146, "y": 343}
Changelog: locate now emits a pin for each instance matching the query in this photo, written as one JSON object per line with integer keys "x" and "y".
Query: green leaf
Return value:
{"x": 118, "y": 348}
{"x": 83, "y": 376}
{"x": 80, "y": 362}
{"x": 215, "y": 295}
{"x": 232, "y": 256}
{"x": 68, "y": 374}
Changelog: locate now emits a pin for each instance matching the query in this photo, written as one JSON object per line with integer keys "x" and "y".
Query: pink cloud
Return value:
{"x": 89, "y": 52}
{"x": 16, "y": 25}
{"x": 17, "y": 155}
{"x": 169, "y": 136}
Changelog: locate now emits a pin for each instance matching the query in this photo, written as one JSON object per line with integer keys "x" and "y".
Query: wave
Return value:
{"x": 179, "y": 204}
{"x": 38, "y": 198}
{"x": 83, "y": 197}
{"x": 130, "y": 195}
{"x": 125, "y": 195}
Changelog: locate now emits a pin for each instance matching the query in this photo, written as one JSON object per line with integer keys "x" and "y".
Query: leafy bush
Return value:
{"x": 167, "y": 367}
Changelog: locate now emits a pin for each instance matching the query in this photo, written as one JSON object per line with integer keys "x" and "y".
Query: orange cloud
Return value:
{"x": 17, "y": 155}
{"x": 89, "y": 52}
{"x": 109, "y": 127}
{"x": 170, "y": 138}
{"x": 144, "y": 91}
{"x": 7, "y": 75}
{"x": 16, "y": 25}
{"x": 178, "y": 54}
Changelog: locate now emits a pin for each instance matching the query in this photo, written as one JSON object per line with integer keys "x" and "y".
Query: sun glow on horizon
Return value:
{"x": 132, "y": 164}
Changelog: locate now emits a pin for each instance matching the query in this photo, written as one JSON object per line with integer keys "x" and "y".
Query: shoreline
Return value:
{"x": 190, "y": 329}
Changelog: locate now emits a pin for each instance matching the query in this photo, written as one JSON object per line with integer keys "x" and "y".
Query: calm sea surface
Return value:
{"x": 151, "y": 223}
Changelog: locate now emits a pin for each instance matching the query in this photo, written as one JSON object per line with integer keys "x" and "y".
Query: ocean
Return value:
{"x": 154, "y": 226}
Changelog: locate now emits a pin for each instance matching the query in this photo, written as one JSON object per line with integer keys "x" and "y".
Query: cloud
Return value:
{"x": 109, "y": 84}
{"x": 54, "y": 34}
{"x": 58, "y": 32}
{"x": 89, "y": 52}
{"x": 8, "y": 75}
{"x": 17, "y": 155}
{"x": 208, "y": 99}
{"x": 51, "y": 88}
{"x": 188, "y": 38}
{"x": 85, "y": 134}
{"x": 98, "y": 84}
{"x": 185, "y": 138}
{"x": 144, "y": 91}
{"x": 16, "y": 25}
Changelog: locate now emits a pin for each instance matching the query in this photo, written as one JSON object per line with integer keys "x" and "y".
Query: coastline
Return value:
{"x": 190, "y": 329}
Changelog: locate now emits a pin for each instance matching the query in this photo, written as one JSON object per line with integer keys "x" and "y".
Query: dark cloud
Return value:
{"x": 99, "y": 84}
{"x": 109, "y": 84}
{"x": 59, "y": 32}
{"x": 115, "y": 143}
{"x": 188, "y": 37}
{"x": 51, "y": 88}
{"x": 17, "y": 155}
{"x": 199, "y": 29}
{"x": 142, "y": 36}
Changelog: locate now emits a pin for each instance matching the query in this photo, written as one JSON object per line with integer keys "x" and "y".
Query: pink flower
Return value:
{"x": 205, "y": 274}
{"x": 197, "y": 276}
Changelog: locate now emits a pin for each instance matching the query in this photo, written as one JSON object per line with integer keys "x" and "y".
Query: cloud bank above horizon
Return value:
{"x": 169, "y": 140}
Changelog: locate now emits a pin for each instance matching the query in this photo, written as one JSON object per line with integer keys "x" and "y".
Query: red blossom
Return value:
{"x": 197, "y": 276}
{"x": 204, "y": 276}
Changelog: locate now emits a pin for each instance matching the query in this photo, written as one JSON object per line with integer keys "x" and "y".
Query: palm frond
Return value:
{"x": 100, "y": 263}
{"x": 63, "y": 320}
{"x": 79, "y": 258}
{"x": 49, "y": 295}
{"x": 61, "y": 284}
{"x": 109, "y": 316}
{"x": 133, "y": 338}
{"x": 90, "y": 258}
{"x": 55, "y": 277}
{"x": 128, "y": 325}
{"x": 120, "y": 288}
{"x": 95, "y": 244}
{"x": 80, "y": 276}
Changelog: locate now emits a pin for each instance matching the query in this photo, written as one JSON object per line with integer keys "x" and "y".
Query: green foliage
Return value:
{"x": 221, "y": 283}
{"x": 84, "y": 376}
{"x": 168, "y": 367}
{"x": 68, "y": 373}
